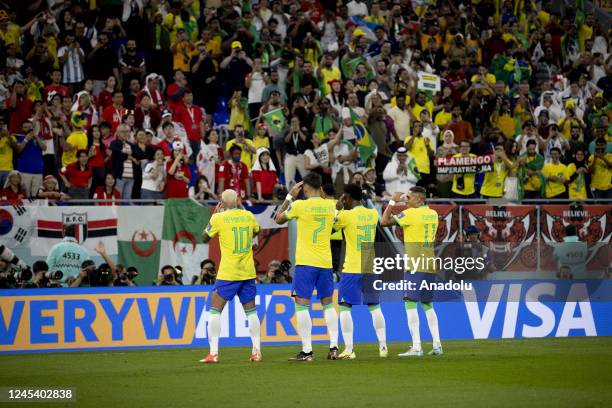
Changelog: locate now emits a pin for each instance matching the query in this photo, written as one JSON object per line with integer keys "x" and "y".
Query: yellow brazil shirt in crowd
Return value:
{"x": 235, "y": 228}
{"x": 418, "y": 150}
{"x": 601, "y": 176}
{"x": 6, "y": 153}
{"x": 442, "y": 119}
{"x": 328, "y": 75}
{"x": 534, "y": 182}
{"x": 416, "y": 109}
{"x": 468, "y": 181}
{"x": 315, "y": 220}
{"x": 359, "y": 226}
{"x": 78, "y": 140}
{"x": 554, "y": 188}
{"x": 577, "y": 188}
{"x": 247, "y": 156}
{"x": 493, "y": 183}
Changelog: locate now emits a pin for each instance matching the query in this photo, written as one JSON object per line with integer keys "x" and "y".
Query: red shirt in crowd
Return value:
{"x": 113, "y": 116}
{"x": 98, "y": 160}
{"x": 77, "y": 176}
{"x": 267, "y": 178}
{"x": 174, "y": 104}
{"x": 19, "y": 114}
{"x": 191, "y": 118}
{"x": 177, "y": 188}
{"x": 101, "y": 194}
{"x": 9, "y": 195}
{"x": 61, "y": 90}
{"x": 105, "y": 99}
{"x": 236, "y": 176}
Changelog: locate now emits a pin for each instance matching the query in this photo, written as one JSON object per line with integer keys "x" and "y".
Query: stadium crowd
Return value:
{"x": 161, "y": 99}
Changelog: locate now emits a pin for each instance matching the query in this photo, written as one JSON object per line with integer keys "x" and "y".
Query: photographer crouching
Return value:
{"x": 278, "y": 272}
{"x": 208, "y": 273}
{"x": 90, "y": 275}
{"x": 14, "y": 273}
{"x": 169, "y": 276}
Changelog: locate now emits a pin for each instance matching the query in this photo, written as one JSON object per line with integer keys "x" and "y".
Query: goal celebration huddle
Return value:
{"x": 318, "y": 217}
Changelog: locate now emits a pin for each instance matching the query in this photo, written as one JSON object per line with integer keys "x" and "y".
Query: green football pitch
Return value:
{"x": 567, "y": 372}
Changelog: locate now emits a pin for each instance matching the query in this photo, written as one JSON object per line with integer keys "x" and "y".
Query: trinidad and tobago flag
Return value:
{"x": 85, "y": 229}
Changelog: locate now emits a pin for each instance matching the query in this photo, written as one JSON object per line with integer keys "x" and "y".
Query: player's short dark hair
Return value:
{"x": 206, "y": 261}
{"x": 329, "y": 190}
{"x": 234, "y": 148}
{"x": 531, "y": 142}
{"x": 39, "y": 266}
{"x": 165, "y": 267}
{"x": 165, "y": 125}
{"x": 555, "y": 149}
{"x": 354, "y": 191}
{"x": 313, "y": 180}
{"x": 570, "y": 230}
{"x": 70, "y": 230}
{"x": 419, "y": 190}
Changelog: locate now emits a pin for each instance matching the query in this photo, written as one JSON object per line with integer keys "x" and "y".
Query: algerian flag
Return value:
{"x": 364, "y": 140}
{"x": 184, "y": 221}
{"x": 275, "y": 119}
{"x": 139, "y": 235}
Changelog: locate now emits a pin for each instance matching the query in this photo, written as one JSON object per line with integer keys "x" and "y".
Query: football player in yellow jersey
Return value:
{"x": 313, "y": 260}
{"x": 420, "y": 224}
{"x": 236, "y": 228}
{"x": 359, "y": 226}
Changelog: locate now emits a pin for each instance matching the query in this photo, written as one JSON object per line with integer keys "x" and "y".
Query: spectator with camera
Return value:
{"x": 14, "y": 273}
{"x": 471, "y": 247}
{"x": 278, "y": 272}
{"x": 208, "y": 273}
{"x": 168, "y": 276}
{"x": 104, "y": 275}
{"x": 44, "y": 278}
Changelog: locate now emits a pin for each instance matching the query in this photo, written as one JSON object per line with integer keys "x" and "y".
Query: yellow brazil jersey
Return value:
{"x": 493, "y": 183}
{"x": 416, "y": 109}
{"x": 78, "y": 140}
{"x": 601, "y": 177}
{"x": 315, "y": 220}
{"x": 534, "y": 181}
{"x": 359, "y": 225}
{"x": 420, "y": 154}
{"x": 6, "y": 153}
{"x": 420, "y": 226}
{"x": 468, "y": 181}
{"x": 328, "y": 75}
{"x": 554, "y": 188}
{"x": 442, "y": 119}
{"x": 235, "y": 229}
{"x": 246, "y": 156}
{"x": 577, "y": 188}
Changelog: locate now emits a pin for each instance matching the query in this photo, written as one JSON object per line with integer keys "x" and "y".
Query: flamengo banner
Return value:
{"x": 42, "y": 320}
{"x": 94, "y": 224}
{"x": 461, "y": 165}
{"x": 594, "y": 226}
{"x": 508, "y": 231}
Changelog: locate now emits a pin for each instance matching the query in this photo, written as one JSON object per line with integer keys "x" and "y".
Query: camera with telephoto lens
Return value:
{"x": 54, "y": 275}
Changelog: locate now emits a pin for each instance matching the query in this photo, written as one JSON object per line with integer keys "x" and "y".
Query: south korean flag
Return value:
{"x": 16, "y": 224}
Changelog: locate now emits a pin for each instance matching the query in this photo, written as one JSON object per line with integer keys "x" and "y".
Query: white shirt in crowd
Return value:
{"x": 150, "y": 183}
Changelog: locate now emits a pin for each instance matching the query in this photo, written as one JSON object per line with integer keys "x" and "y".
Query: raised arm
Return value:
{"x": 281, "y": 217}
{"x": 387, "y": 217}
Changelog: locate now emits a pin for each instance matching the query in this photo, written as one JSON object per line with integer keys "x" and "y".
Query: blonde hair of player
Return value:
{"x": 229, "y": 198}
